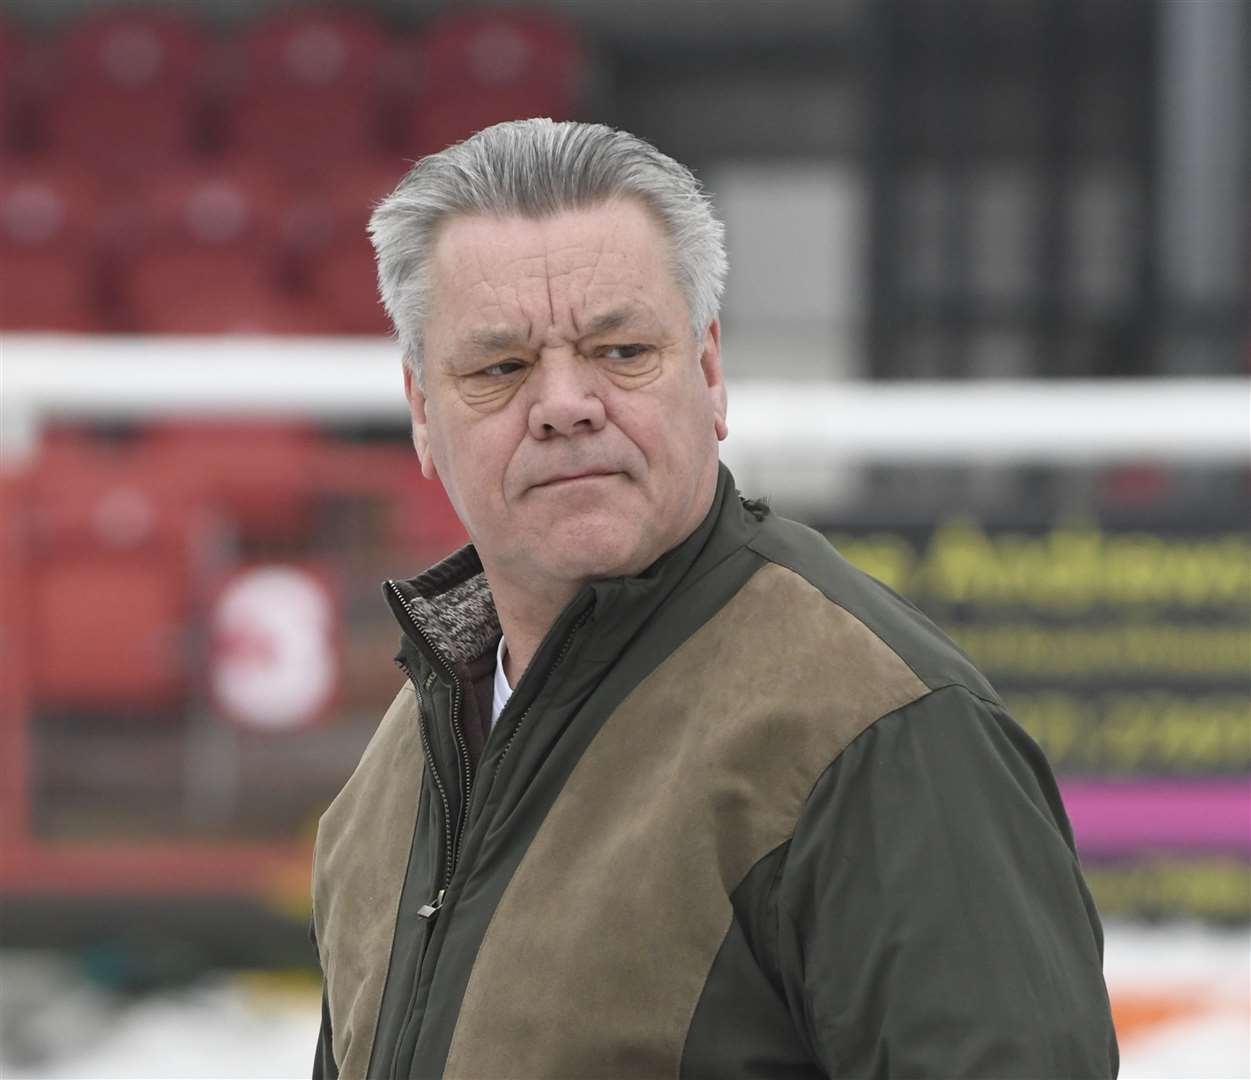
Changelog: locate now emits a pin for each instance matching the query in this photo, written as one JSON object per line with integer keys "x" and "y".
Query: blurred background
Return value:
{"x": 986, "y": 327}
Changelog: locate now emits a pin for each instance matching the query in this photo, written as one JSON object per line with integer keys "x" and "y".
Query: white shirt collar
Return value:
{"x": 502, "y": 691}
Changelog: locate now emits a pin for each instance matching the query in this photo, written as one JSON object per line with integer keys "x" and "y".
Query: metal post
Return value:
{"x": 1203, "y": 186}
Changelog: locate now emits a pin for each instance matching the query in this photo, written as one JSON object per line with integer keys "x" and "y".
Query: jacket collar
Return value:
{"x": 449, "y": 614}
{"x": 450, "y": 607}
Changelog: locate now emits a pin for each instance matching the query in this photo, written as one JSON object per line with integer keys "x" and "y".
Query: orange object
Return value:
{"x": 1138, "y": 1014}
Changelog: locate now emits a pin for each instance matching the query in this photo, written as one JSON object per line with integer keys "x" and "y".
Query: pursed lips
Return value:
{"x": 565, "y": 478}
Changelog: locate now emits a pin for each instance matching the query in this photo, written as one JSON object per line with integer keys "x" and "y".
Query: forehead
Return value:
{"x": 550, "y": 273}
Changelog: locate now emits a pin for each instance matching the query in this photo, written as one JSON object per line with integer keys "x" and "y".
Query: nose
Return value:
{"x": 565, "y": 398}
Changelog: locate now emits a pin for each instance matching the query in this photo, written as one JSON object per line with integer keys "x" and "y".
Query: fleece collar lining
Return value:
{"x": 451, "y": 604}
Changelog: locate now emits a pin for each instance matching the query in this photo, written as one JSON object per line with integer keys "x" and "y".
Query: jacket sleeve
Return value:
{"x": 324, "y": 1065}
{"x": 932, "y": 919}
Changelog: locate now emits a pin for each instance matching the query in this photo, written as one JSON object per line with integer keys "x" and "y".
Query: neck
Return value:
{"x": 526, "y": 614}
{"x": 525, "y": 620}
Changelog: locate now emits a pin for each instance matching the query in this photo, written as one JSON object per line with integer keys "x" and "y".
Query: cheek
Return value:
{"x": 690, "y": 443}
{"x": 666, "y": 436}
{"x": 472, "y": 461}
{"x": 683, "y": 425}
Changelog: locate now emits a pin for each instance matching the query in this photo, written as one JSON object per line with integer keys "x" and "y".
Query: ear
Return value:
{"x": 421, "y": 430}
{"x": 710, "y": 365}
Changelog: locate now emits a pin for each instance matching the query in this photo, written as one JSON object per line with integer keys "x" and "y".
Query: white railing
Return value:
{"x": 1065, "y": 422}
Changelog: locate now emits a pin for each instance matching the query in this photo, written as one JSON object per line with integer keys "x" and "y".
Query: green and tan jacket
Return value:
{"x": 749, "y": 814}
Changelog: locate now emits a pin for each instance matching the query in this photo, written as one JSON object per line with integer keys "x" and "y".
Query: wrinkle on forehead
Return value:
{"x": 547, "y": 277}
{"x": 524, "y": 277}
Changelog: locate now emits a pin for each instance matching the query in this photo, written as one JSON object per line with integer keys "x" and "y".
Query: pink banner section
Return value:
{"x": 1122, "y": 817}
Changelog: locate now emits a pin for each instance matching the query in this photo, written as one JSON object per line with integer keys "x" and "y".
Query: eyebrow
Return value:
{"x": 493, "y": 341}
{"x": 607, "y": 322}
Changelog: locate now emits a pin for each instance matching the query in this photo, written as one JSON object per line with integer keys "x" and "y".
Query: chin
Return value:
{"x": 596, "y": 550}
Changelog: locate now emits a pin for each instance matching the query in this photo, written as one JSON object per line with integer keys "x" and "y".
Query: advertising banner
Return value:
{"x": 1125, "y": 652}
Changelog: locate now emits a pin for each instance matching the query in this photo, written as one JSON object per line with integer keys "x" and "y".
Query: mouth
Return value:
{"x": 576, "y": 478}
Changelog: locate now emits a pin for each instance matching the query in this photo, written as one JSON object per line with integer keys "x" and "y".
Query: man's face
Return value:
{"x": 567, "y": 407}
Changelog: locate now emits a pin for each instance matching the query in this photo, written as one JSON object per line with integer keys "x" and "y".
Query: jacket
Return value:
{"x": 748, "y": 814}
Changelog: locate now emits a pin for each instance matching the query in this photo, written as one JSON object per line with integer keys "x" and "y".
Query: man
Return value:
{"x": 670, "y": 789}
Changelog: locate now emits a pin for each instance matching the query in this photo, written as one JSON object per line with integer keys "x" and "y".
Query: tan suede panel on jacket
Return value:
{"x": 359, "y": 863}
{"x": 598, "y": 952}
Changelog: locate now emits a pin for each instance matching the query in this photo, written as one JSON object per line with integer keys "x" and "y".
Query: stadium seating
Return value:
{"x": 344, "y": 279}
{"x": 335, "y": 254}
{"x": 125, "y": 88}
{"x": 419, "y": 517}
{"x": 476, "y": 68}
{"x": 107, "y": 631}
{"x": 226, "y": 292}
{"x": 158, "y": 181}
{"x": 497, "y": 51}
{"x": 108, "y": 587}
{"x": 205, "y": 254}
{"x": 113, "y": 528}
{"x": 305, "y": 90}
{"x": 255, "y": 477}
{"x": 89, "y": 492}
{"x": 48, "y": 219}
{"x": 10, "y": 48}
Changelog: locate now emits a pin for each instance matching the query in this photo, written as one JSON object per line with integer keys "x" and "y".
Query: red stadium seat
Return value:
{"x": 307, "y": 90}
{"x": 10, "y": 49}
{"x": 271, "y": 314}
{"x": 336, "y": 257}
{"x": 228, "y": 202}
{"x": 206, "y": 254}
{"x": 476, "y": 68}
{"x": 421, "y": 520}
{"x": 500, "y": 52}
{"x": 440, "y": 122}
{"x": 15, "y": 609}
{"x": 127, "y": 87}
{"x": 107, "y": 579}
{"x": 255, "y": 475}
{"x": 47, "y": 250}
{"x": 107, "y": 631}
{"x": 215, "y": 293}
{"x": 344, "y": 279}
{"x": 340, "y": 207}
{"x": 89, "y": 495}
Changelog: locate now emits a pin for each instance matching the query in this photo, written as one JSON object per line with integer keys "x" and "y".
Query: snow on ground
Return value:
{"x": 1182, "y": 996}
{"x": 1182, "y": 1000}
{"x": 224, "y": 1026}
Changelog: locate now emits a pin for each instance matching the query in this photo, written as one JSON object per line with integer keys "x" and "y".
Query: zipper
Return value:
{"x": 438, "y": 784}
{"x": 453, "y": 836}
{"x": 452, "y": 833}
{"x": 428, "y": 911}
{"x": 564, "y": 651}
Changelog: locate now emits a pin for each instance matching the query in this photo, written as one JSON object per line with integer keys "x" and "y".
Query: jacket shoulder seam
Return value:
{"x": 843, "y": 607}
{"x": 772, "y": 561}
{"x": 930, "y": 692}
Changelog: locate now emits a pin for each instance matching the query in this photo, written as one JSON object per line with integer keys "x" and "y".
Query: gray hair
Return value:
{"x": 537, "y": 168}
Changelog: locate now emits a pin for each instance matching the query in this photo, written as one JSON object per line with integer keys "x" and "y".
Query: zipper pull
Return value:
{"x": 430, "y": 910}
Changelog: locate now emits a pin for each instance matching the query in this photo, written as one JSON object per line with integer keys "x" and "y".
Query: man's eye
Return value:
{"x": 623, "y": 352}
{"x": 504, "y": 367}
